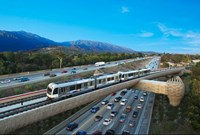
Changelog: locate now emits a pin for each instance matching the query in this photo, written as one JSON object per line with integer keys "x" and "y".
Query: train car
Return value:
{"x": 60, "y": 89}
{"x": 144, "y": 71}
{"x": 106, "y": 79}
{"x": 128, "y": 75}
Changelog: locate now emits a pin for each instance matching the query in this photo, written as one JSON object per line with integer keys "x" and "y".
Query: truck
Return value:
{"x": 99, "y": 63}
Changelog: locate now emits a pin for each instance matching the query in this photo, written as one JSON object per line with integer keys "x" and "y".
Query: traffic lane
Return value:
{"x": 102, "y": 127}
{"x": 81, "y": 120}
{"x": 132, "y": 129}
{"x": 116, "y": 120}
{"x": 121, "y": 126}
{"x": 91, "y": 121}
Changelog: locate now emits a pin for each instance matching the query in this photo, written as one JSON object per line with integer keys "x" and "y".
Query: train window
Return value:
{"x": 112, "y": 78}
{"x": 78, "y": 86}
{"x": 91, "y": 83}
{"x": 55, "y": 91}
{"x": 108, "y": 79}
{"x": 72, "y": 87}
{"x": 99, "y": 81}
{"x": 49, "y": 90}
{"x": 104, "y": 80}
{"x": 122, "y": 76}
{"x": 85, "y": 84}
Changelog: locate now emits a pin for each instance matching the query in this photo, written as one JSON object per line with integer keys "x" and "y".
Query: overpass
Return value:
{"x": 37, "y": 114}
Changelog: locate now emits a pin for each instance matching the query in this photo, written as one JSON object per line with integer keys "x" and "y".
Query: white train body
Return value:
{"x": 70, "y": 88}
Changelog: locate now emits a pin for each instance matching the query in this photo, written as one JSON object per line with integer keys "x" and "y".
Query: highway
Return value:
{"x": 58, "y": 72}
{"x": 87, "y": 121}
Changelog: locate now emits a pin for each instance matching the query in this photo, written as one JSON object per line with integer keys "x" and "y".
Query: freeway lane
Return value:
{"x": 87, "y": 123}
{"x": 40, "y": 76}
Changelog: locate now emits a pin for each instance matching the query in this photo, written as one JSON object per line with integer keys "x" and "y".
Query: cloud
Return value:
{"x": 146, "y": 34}
{"x": 188, "y": 37}
{"x": 124, "y": 9}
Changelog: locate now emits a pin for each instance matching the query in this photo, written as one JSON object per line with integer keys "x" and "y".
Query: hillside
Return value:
{"x": 24, "y": 41}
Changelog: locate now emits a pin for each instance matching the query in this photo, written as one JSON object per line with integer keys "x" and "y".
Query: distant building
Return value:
{"x": 195, "y": 61}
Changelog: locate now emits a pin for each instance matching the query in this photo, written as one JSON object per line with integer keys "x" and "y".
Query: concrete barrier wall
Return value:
{"x": 14, "y": 122}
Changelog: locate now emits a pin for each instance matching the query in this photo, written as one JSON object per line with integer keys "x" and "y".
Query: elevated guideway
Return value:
{"x": 46, "y": 111}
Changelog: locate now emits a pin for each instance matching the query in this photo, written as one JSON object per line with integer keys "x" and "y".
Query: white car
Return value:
{"x": 123, "y": 102}
{"x": 110, "y": 106}
{"x": 139, "y": 106}
{"x": 144, "y": 93}
{"x": 107, "y": 122}
{"x": 141, "y": 99}
{"x": 5, "y": 81}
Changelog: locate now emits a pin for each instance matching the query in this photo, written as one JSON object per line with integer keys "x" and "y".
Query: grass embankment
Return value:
{"x": 167, "y": 119}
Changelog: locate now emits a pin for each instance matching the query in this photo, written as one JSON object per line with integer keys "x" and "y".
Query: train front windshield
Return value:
{"x": 49, "y": 91}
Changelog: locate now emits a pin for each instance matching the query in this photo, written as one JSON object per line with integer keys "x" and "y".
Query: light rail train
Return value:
{"x": 72, "y": 87}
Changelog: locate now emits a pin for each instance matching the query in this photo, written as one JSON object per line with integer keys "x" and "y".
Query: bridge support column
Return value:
{"x": 173, "y": 88}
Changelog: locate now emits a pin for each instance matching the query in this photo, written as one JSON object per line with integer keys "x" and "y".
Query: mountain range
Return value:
{"x": 25, "y": 41}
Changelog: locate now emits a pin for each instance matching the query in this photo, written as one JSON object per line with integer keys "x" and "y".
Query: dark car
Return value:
{"x": 136, "y": 97}
{"x": 73, "y": 72}
{"x": 117, "y": 99}
{"x": 98, "y": 117}
{"x": 97, "y": 133}
{"x": 110, "y": 132}
{"x": 104, "y": 102}
{"x": 125, "y": 132}
{"x": 122, "y": 118}
{"x": 81, "y": 132}
{"x": 71, "y": 126}
{"x": 52, "y": 75}
{"x": 64, "y": 71}
{"x": 113, "y": 113}
{"x": 94, "y": 109}
{"x": 122, "y": 93}
{"x": 46, "y": 74}
{"x": 135, "y": 114}
{"x": 24, "y": 79}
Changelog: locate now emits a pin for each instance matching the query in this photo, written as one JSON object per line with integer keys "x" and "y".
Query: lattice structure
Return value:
{"x": 175, "y": 90}
{"x": 98, "y": 72}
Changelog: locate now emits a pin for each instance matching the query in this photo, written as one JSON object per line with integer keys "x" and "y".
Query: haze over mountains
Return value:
{"x": 24, "y": 41}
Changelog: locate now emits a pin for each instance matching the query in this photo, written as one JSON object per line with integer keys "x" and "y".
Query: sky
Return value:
{"x": 170, "y": 26}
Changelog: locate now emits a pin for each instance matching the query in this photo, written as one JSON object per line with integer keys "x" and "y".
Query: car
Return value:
{"x": 131, "y": 123}
{"x": 136, "y": 97}
{"x": 64, "y": 71}
{"x": 46, "y": 74}
{"x": 81, "y": 132}
{"x": 128, "y": 109}
{"x": 122, "y": 93}
{"x": 73, "y": 72}
{"x": 16, "y": 78}
{"x": 94, "y": 109}
{"x": 141, "y": 99}
{"x": 107, "y": 121}
{"x": 71, "y": 126}
{"x": 85, "y": 68}
{"x": 117, "y": 99}
{"x": 24, "y": 79}
{"x": 110, "y": 132}
{"x": 113, "y": 113}
{"x": 125, "y": 132}
{"x": 52, "y": 75}
{"x": 122, "y": 118}
{"x": 139, "y": 106}
{"x": 104, "y": 102}
{"x": 98, "y": 118}
{"x": 123, "y": 101}
{"x": 110, "y": 106}
{"x": 6, "y": 81}
{"x": 144, "y": 93}
{"x": 97, "y": 132}
{"x": 135, "y": 114}
{"x": 113, "y": 94}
